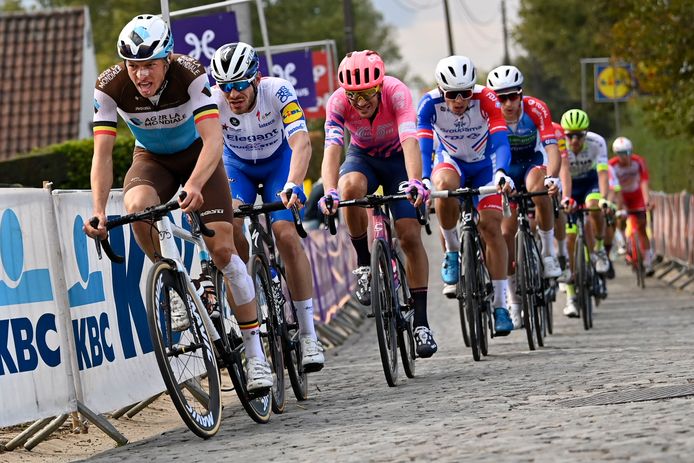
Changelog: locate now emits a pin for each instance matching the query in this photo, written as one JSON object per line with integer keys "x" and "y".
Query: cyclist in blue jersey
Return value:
{"x": 473, "y": 152}
{"x": 166, "y": 102}
{"x": 266, "y": 142}
{"x": 534, "y": 167}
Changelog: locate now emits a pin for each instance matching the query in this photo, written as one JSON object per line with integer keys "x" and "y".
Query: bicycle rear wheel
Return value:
{"x": 524, "y": 284}
{"x": 383, "y": 302}
{"x": 186, "y": 359}
{"x": 259, "y": 408}
{"x": 460, "y": 294}
{"x": 583, "y": 282}
{"x": 473, "y": 304}
{"x": 292, "y": 353}
{"x": 406, "y": 341}
{"x": 271, "y": 330}
{"x": 637, "y": 261}
{"x": 538, "y": 289}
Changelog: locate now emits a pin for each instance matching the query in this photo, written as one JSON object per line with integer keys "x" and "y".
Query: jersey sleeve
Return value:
{"x": 105, "y": 107}
{"x": 561, "y": 140}
{"x": 601, "y": 159}
{"x": 293, "y": 118}
{"x": 400, "y": 102}
{"x": 642, "y": 166}
{"x": 201, "y": 100}
{"x": 335, "y": 110}
{"x": 426, "y": 114}
{"x": 540, "y": 115}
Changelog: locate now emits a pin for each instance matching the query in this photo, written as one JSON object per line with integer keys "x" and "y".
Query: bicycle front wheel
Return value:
{"x": 186, "y": 358}
{"x": 583, "y": 282}
{"x": 406, "y": 341}
{"x": 637, "y": 261}
{"x": 383, "y": 301}
{"x": 271, "y": 330}
{"x": 524, "y": 283}
{"x": 473, "y": 304}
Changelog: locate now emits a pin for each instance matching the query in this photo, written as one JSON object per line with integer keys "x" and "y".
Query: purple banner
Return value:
{"x": 297, "y": 68}
{"x": 200, "y": 36}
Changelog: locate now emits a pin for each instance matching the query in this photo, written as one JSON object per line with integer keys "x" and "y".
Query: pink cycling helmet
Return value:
{"x": 361, "y": 70}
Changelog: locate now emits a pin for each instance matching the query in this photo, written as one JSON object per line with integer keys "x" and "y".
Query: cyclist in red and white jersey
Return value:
{"x": 377, "y": 111}
{"x": 632, "y": 173}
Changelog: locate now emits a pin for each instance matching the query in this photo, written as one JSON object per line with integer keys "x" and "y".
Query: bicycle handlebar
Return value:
{"x": 247, "y": 210}
{"x": 151, "y": 214}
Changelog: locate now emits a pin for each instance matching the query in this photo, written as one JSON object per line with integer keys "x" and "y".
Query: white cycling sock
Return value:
{"x": 563, "y": 250}
{"x": 304, "y": 312}
{"x": 452, "y": 239}
{"x": 500, "y": 287}
{"x": 547, "y": 238}
{"x": 513, "y": 298}
{"x": 250, "y": 331}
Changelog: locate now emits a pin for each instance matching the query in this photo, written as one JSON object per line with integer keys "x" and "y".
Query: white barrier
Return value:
{"x": 51, "y": 279}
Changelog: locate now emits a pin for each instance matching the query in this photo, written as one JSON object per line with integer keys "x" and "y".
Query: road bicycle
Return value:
{"x": 535, "y": 291}
{"x": 188, "y": 360}
{"x": 634, "y": 255}
{"x": 474, "y": 290}
{"x": 588, "y": 283}
{"x": 270, "y": 279}
{"x": 391, "y": 301}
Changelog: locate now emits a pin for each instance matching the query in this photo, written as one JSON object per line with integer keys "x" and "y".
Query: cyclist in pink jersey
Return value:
{"x": 377, "y": 111}
{"x": 632, "y": 174}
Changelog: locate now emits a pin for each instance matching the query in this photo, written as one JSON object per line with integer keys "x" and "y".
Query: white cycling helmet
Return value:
{"x": 622, "y": 145}
{"x": 233, "y": 62}
{"x": 144, "y": 38}
{"x": 505, "y": 79}
{"x": 455, "y": 73}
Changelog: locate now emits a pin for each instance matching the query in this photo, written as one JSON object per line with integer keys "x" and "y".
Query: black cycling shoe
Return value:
{"x": 610, "y": 272}
{"x": 424, "y": 340}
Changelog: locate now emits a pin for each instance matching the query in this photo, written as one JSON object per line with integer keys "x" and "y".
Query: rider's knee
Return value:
{"x": 240, "y": 282}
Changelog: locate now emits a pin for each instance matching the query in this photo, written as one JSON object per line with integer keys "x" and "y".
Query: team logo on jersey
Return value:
{"x": 283, "y": 94}
{"x": 235, "y": 122}
{"x": 292, "y": 112}
{"x": 136, "y": 121}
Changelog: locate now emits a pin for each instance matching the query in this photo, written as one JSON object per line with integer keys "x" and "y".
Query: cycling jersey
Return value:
{"x": 561, "y": 141}
{"x": 592, "y": 157}
{"x": 532, "y": 132}
{"x": 262, "y": 132}
{"x": 613, "y": 181}
{"x": 630, "y": 176}
{"x": 381, "y": 136}
{"x": 478, "y": 134}
{"x": 165, "y": 123}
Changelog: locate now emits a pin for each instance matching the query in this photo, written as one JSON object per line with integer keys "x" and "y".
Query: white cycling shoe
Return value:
{"x": 312, "y": 358}
{"x": 258, "y": 374}
{"x": 571, "y": 310}
{"x": 552, "y": 268}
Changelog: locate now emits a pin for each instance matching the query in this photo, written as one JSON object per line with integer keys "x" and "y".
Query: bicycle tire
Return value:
{"x": 383, "y": 302}
{"x": 538, "y": 288}
{"x": 406, "y": 343}
{"x": 486, "y": 291}
{"x": 272, "y": 334}
{"x": 460, "y": 295}
{"x": 186, "y": 359}
{"x": 638, "y": 262}
{"x": 583, "y": 282}
{"x": 523, "y": 284}
{"x": 292, "y": 353}
{"x": 258, "y": 408}
{"x": 473, "y": 305}
{"x": 549, "y": 305}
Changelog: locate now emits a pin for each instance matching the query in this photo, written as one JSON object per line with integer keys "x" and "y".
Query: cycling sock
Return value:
{"x": 599, "y": 244}
{"x": 304, "y": 312}
{"x": 563, "y": 250}
{"x": 547, "y": 238}
{"x": 608, "y": 248}
{"x": 500, "y": 288}
{"x": 513, "y": 298}
{"x": 451, "y": 238}
{"x": 361, "y": 245}
{"x": 250, "y": 331}
{"x": 570, "y": 291}
{"x": 419, "y": 295}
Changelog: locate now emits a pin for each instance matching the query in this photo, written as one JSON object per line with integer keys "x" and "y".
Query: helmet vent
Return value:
{"x": 366, "y": 75}
{"x": 357, "y": 77}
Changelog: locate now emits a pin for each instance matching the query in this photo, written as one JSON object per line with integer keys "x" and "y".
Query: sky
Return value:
{"x": 420, "y": 29}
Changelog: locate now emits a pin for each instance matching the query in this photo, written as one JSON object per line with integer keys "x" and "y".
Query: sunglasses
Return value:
{"x": 571, "y": 135}
{"x": 623, "y": 153}
{"x": 143, "y": 52}
{"x": 239, "y": 86}
{"x": 453, "y": 94}
{"x": 365, "y": 94}
{"x": 509, "y": 97}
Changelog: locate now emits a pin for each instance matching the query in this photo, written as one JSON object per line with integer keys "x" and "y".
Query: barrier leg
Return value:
{"x": 45, "y": 432}
{"x": 22, "y": 437}
{"x": 121, "y": 411}
{"x": 141, "y": 406}
{"x": 102, "y": 423}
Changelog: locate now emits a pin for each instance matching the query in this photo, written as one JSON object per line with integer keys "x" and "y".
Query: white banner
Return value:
{"x": 35, "y": 374}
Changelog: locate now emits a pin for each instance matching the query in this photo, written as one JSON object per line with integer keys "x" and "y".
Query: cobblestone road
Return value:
{"x": 514, "y": 405}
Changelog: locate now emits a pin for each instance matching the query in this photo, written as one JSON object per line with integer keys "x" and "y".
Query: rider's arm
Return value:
{"x": 300, "y": 144}
{"x": 102, "y": 175}
{"x": 565, "y": 176}
{"x": 334, "y": 138}
{"x": 645, "y": 187}
{"x": 413, "y": 158}
{"x": 539, "y": 113}
{"x": 601, "y": 165}
{"x": 210, "y": 155}
{"x": 497, "y": 129}
{"x": 330, "y": 166}
{"x": 426, "y": 114}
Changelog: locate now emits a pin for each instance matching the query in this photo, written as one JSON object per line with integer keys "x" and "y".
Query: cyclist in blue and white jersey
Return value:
{"x": 473, "y": 152}
{"x": 266, "y": 142}
{"x": 587, "y": 152}
{"x": 165, "y": 100}
{"x": 535, "y": 166}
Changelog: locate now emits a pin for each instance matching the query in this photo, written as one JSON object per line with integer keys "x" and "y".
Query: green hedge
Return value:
{"x": 67, "y": 165}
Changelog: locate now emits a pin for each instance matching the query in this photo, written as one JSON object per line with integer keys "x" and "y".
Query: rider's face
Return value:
{"x": 148, "y": 76}
{"x": 242, "y": 101}
{"x": 365, "y": 102}
{"x": 575, "y": 140}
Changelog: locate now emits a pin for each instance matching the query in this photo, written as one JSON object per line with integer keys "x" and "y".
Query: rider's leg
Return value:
{"x": 136, "y": 199}
{"x": 509, "y": 226}
{"x": 240, "y": 237}
{"x": 353, "y": 185}
{"x": 496, "y": 255}
{"x": 570, "y": 309}
{"x": 543, "y": 210}
{"x": 448, "y": 213}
